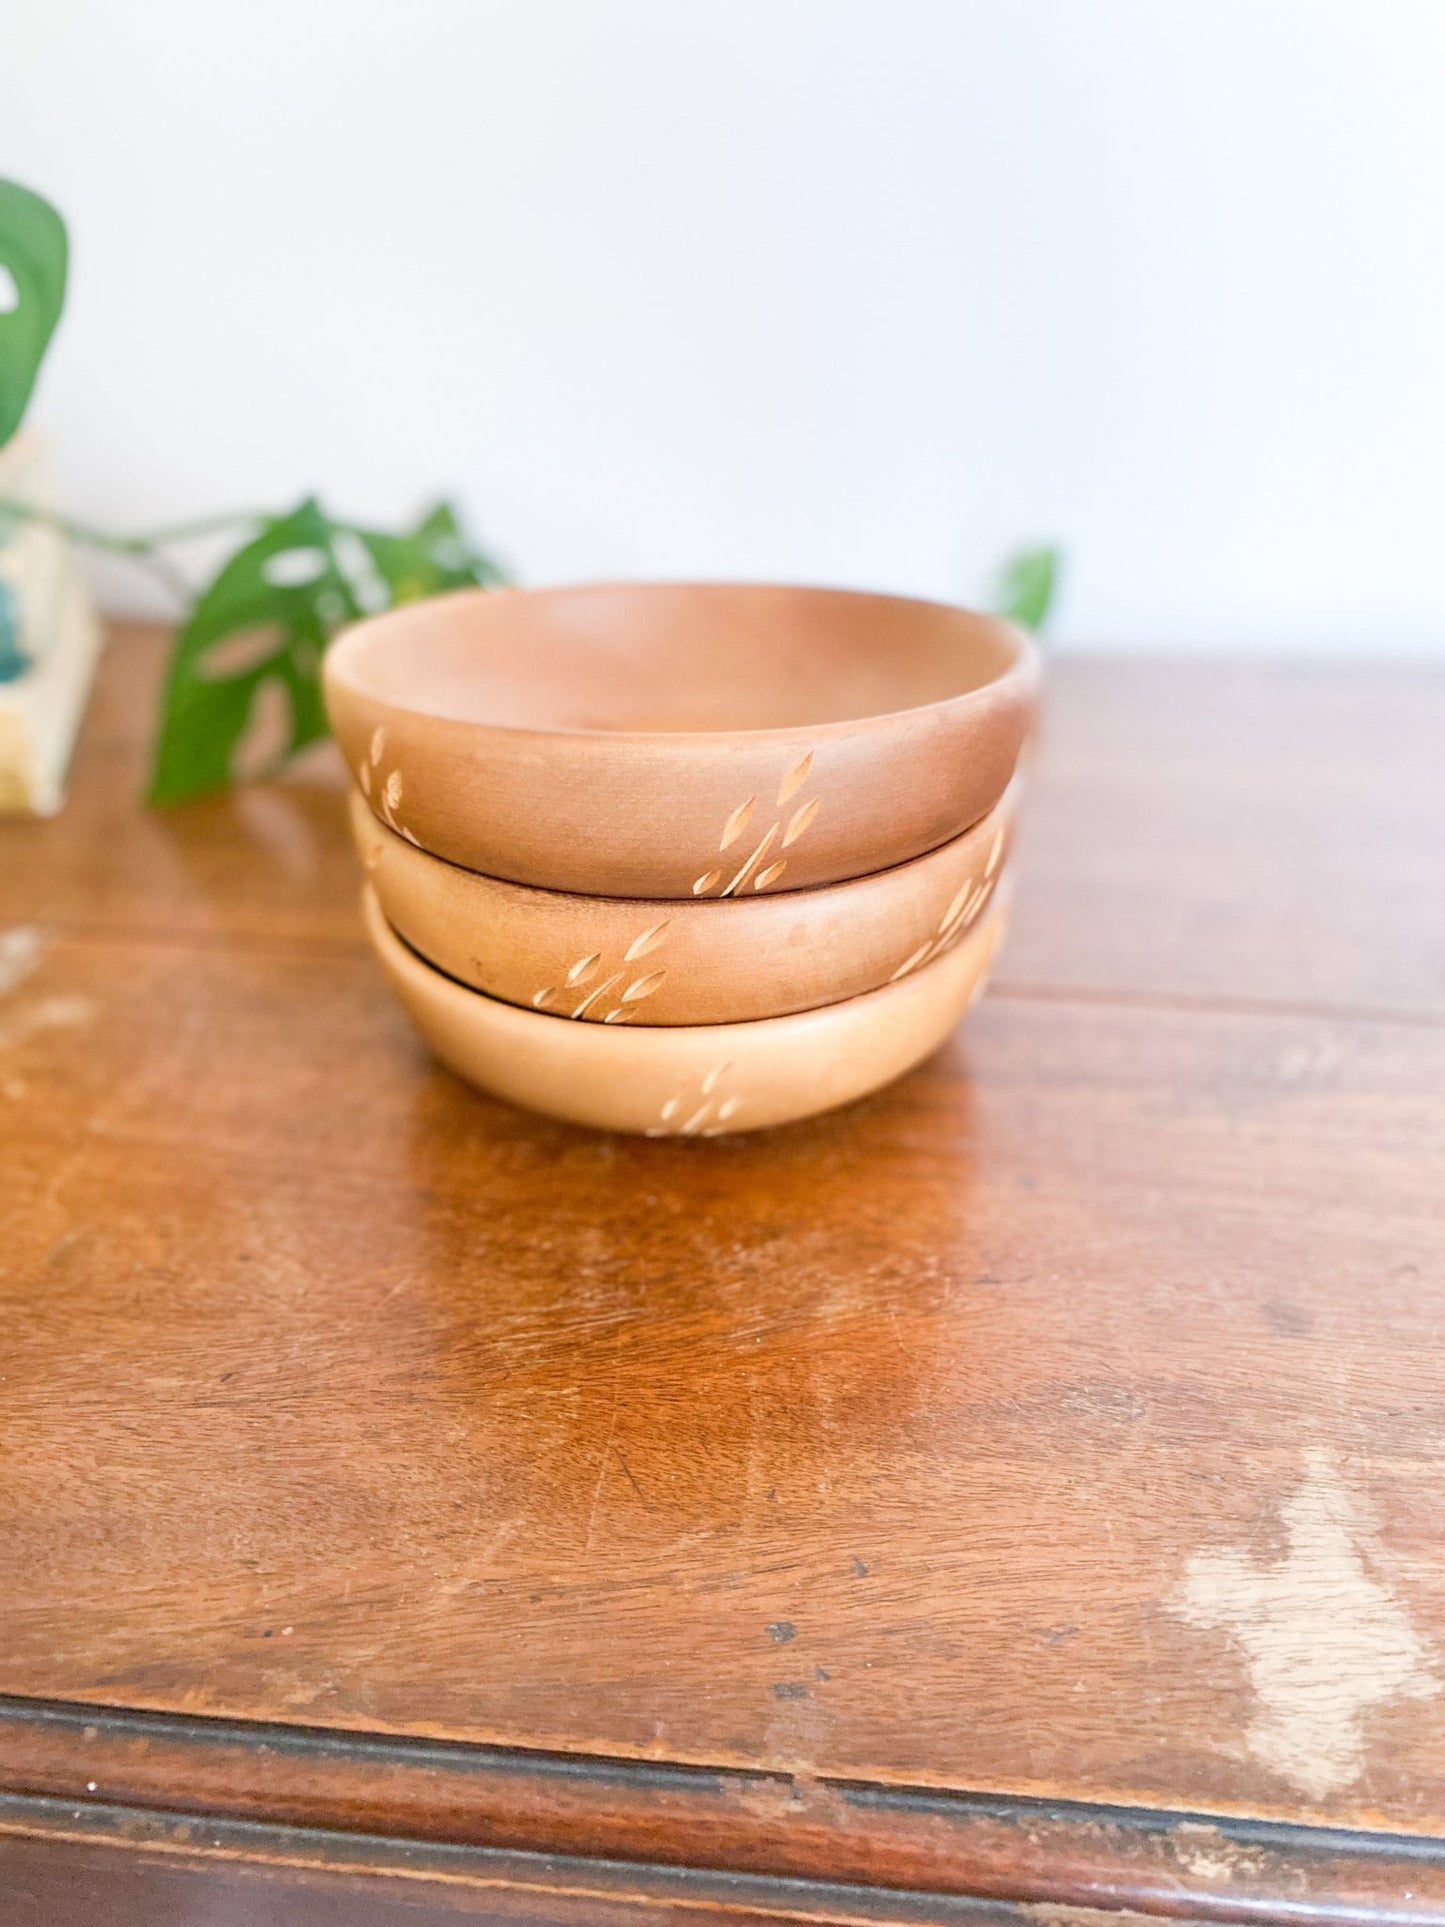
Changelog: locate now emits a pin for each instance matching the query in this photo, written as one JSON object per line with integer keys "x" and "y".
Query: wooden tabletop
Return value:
{"x": 1026, "y": 1485}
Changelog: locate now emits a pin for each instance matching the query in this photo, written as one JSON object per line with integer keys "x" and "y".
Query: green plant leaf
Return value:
{"x": 456, "y": 557}
{"x": 244, "y": 689}
{"x": 34, "y": 255}
{"x": 434, "y": 556}
{"x": 1026, "y": 585}
{"x": 248, "y": 658}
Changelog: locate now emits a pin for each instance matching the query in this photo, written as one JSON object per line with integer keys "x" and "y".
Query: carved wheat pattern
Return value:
{"x": 636, "y": 988}
{"x": 962, "y": 910}
{"x": 762, "y": 869}
{"x": 706, "y": 1111}
{"x": 384, "y": 793}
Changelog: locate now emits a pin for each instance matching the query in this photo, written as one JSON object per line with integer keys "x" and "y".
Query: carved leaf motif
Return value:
{"x": 737, "y": 822}
{"x": 591, "y": 998}
{"x": 795, "y": 778}
{"x": 911, "y": 963}
{"x": 956, "y": 906}
{"x": 753, "y": 861}
{"x": 707, "y": 1119}
{"x": 648, "y": 941}
{"x": 800, "y": 820}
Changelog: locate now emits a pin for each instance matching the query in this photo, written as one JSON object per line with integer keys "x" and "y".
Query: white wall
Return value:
{"x": 847, "y": 290}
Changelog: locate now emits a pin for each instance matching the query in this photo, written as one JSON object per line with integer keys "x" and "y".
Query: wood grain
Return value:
{"x": 531, "y": 1435}
{"x": 1244, "y": 830}
{"x": 1062, "y": 1425}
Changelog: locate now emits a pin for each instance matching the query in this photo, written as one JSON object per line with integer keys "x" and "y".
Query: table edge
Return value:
{"x": 717, "y": 1820}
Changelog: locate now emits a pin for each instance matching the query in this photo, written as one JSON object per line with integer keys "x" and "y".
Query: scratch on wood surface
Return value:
{"x": 1325, "y": 1640}
{"x": 631, "y": 1479}
{"x": 897, "y": 1329}
{"x": 20, "y": 951}
{"x": 602, "y": 1465}
{"x": 49, "y": 1013}
{"x": 60, "y": 1175}
{"x": 1057, "y": 1914}
{"x": 1310, "y": 1062}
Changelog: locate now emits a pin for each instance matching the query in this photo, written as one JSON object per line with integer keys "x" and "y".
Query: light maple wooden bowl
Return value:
{"x": 695, "y": 1081}
{"x": 676, "y": 741}
{"x": 627, "y": 960}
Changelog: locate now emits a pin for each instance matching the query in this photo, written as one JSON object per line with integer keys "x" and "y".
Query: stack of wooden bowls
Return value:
{"x": 683, "y": 860}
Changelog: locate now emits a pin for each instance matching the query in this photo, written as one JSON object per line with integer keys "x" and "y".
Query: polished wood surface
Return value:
{"x": 1065, "y": 1424}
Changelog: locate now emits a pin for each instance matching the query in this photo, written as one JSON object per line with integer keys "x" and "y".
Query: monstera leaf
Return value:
{"x": 244, "y": 690}
{"x": 33, "y": 257}
{"x": 436, "y": 555}
{"x": 1026, "y": 587}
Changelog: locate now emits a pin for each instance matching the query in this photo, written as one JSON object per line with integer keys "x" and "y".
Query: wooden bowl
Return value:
{"x": 619, "y": 960}
{"x": 696, "y": 1081}
{"x": 658, "y": 740}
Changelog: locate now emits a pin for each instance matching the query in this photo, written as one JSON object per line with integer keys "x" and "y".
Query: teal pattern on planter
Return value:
{"x": 13, "y": 660}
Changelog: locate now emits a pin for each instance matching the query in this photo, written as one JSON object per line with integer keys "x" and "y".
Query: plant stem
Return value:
{"x": 180, "y": 533}
{"x": 141, "y": 549}
{"x": 95, "y": 538}
{"x": 165, "y": 572}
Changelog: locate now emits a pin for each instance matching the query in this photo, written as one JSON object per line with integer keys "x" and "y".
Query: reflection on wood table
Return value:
{"x": 1020, "y": 1493}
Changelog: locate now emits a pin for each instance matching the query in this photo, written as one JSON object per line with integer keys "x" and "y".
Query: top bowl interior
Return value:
{"x": 664, "y": 658}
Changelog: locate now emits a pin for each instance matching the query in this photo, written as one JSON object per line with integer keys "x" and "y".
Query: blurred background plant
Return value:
{"x": 34, "y": 258}
{"x": 242, "y": 693}
{"x": 33, "y": 264}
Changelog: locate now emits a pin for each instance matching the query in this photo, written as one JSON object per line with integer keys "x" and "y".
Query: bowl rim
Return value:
{"x": 1021, "y": 674}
